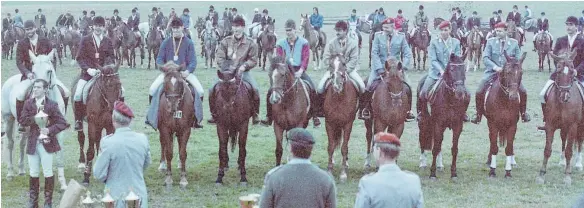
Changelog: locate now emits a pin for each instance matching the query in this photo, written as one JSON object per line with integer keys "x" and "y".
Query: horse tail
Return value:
{"x": 233, "y": 137}
{"x": 502, "y": 142}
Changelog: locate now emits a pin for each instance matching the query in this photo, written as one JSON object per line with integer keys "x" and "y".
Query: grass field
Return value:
{"x": 472, "y": 190}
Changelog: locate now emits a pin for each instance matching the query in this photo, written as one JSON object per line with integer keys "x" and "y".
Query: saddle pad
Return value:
{"x": 432, "y": 92}
{"x": 487, "y": 92}
{"x": 328, "y": 82}
{"x": 549, "y": 90}
{"x": 87, "y": 89}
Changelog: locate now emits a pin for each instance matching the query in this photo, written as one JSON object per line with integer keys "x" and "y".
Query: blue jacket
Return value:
{"x": 18, "y": 20}
{"x": 186, "y": 20}
{"x": 379, "y": 18}
{"x": 186, "y": 53}
{"x": 493, "y": 54}
{"x": 316, "y": 20}
{"x": 398, "y": 47}
{"x": 439, "y": 53}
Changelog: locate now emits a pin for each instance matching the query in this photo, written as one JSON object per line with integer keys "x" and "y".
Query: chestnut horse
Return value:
{"x": 543, "y": 46}
{"x": 474, "y": 49}
{"x": 563, "y": 111}
{"x": 267, "y": 43}
{"x": 448, "y": 104}
{"x": 129, "y": 43}
{"x": 290, "y": 99}
{"x": 317, "y": 40}
{"x": 100, "y": 103}
{"x": 234, "y": 104}
{"x": 389, "y": 104}
{"x": 502, "y": 112}
{"x": 340, "y": 107}
{"x": 420, "y": 43}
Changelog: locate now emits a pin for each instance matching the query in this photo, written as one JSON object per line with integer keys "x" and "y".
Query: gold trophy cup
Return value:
{"x": 41, "y": 119}
{"x": 132, "y": 200}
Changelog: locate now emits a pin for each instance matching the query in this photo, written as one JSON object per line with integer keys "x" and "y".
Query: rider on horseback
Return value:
{"x": 399, "y": 21}
{"x": 439, "y": 52}
{"x": 570, "y": 42}
{"x": 346, "y": 47}
{"x": 181, "y": 50}
{"x": 134, "y": 21}
{"x": 387, "y": 43}
{"x": 494, "y": 60}
{"x": 243, "y": 51}
{"x": 186, "y": 19}
{"x": 516, "y": 18}
{"x": 355, "y": 24}
{"x": 37, "y": 45}
{"x": 420, "y": 20}
{"x": 95, "y": 50}
{"x": 17, "y": 19}
{"x": 316, "y": 21}
{"x": 297, "y": 52}
{"x": 265, "y": 20}
{"x": 65, "y": 20}
{"x": 158, "y": 21}
{"x": 473, "y": 23}
{"x": 543, "y": 27}
{"x": 378, "y": 19}
{"x": 256, "y": 21}
{"x": 42, "y": 20}
{"x": 115, "y": 19}
{"x": 6, "y": 23}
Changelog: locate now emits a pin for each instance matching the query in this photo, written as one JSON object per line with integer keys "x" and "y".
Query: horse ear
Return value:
{"x": 464, "y": 55}
{"x": 506, "y": 55}
{"x": 33, "y": 58}
{"x": 52, "y": 53}
{"x": 219, "y": 74}
{"x": 523, "y": 57}
{"x": 573, "y": 54}
{"x": 399, "y": 66}
{"x": 553, "y": 56}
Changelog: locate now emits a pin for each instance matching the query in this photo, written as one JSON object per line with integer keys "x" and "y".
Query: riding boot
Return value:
{"x": 318, "y": 104}
{"x": 542, "y": 127}
{"x": 49, "y": 183}
{"x": 523, "y": 106}
{"x": 534, "y": 46}
{"x": 479, "y": 101}
{"x": 212, "y": 106}
{"x": 19, "y": 107}
{"x": 256, "y": 107}
{"x": 410, "y": 116}
{"x": 365, "y": 104}
{"x": 149, "y": 99}
{"x": 197, "y": 124}
{"x": 314, "y": 108}
{"x": 78, "y": 114}
{"x": 268, "y": 120}
{"x": 33, "y": 201}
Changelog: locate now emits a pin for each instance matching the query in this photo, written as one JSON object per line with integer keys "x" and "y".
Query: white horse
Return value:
{"x": 353, "y": 35}
{"x": 43, "y": 69}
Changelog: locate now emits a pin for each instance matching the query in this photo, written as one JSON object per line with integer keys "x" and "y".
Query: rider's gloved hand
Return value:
{"x": 92, "y": 72}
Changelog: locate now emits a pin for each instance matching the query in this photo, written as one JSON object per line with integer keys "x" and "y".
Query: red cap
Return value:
{"x": 383, "y": 137}
{"x": 389, "y": 20}
{"x": 122, "y": 108}
{"x": 501, "y": 25}
{"x": 444, "y": 24}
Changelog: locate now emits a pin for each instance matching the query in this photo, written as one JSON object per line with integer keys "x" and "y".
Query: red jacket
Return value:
{"x": 398, "y": 22}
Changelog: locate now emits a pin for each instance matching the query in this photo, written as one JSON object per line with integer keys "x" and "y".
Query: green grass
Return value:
{"x": 472, "y": 190}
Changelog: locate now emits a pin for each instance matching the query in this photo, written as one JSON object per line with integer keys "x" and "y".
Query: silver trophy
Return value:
{"x": 88, "y": 202}
{"x": 107, "y": 200}
{"x": 132, "y": 200}
{"x": 42, "y": 119}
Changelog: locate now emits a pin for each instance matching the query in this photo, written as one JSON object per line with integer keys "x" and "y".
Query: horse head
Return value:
{"x": 510, "y": 76}
{"x": 394, "y": 78}
{"x": 455, "y": 75}
{"x": 43, "y": 67}
{"x": 338, "y": 70}
{"x": 565, "y": 72}
{"x": 304, "y": 22}
{"x": 174, "y": 86}
{"x": 543, "y": 42}
{"x": 229, "y": 80}
{"x": 282, "y": 79}
{"x": 109, "y": 83}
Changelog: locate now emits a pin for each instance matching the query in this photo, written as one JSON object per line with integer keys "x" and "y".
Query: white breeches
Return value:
{"x": 192, "y": 79}
{"x": 353, "y": 75}
{"x": 79, "y": 90}
{"x": 535, "y": 36}
{"x": 416, "y": 29}
{"x": 23, "y": 86}
{"x": 547, "y": 85}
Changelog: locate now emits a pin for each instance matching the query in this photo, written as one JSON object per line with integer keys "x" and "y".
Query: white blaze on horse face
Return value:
{"x": 566, "y": 70}
{"x": 173, "y": 81}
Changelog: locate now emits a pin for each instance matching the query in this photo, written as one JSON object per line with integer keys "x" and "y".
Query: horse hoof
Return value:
{"x": 343, "y": 178}
{"x": 9, "y": 177}
{"x": 454, "y": 179}
{"x": 162, "y": 167}
{"x": 218, "y": 184}
{"x": 433, "y": 178}
{"x": 441, "y": 169}
{"x": 81, "y": 167}
{"x": 183, "y": 184}
{"x": 568, "y": 181}
{"x": 243, "y": 184}
{"x": 423, "y": 167}
{"x": 539, "y": 180}
{"x": 21, "y": 172}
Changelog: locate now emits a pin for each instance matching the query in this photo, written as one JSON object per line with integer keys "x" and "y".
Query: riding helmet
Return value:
{"x": 154, "y": 9}
{"x": 341, "y": 25}
{"x": 176, "y": 22}
{"x": 421, "y": 7}
{"x": 40, "y": 10}
{"x": 84, "y": 12}
{"x": 572, "y": 19}
{"x": 290, "y": 24}
{"x": 99, "y": 20}
{"x": 186, "y": 10}
{"x": 265, "y": 11}
{"x": 29, "y": 24}
{"x": 238, "y": 21}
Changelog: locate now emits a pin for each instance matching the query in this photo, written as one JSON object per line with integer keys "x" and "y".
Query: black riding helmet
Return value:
{"x": 99, "y": 21}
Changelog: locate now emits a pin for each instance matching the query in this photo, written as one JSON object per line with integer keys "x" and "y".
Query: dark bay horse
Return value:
{"x": 153, "y": 42}
{"x": 513, "y": 32}
{"x": 389, "y": 104}
{"x": 290, "y": 99}
{"x": 420, "y": 43}
{"x": 448, "y": 104}
{"x": 267, "y": 42}
{"x": 234, "y": 103}
{"x": 474, "y": 49}
{"x": 543, "y": 46}
{"x": 317, "y": 40}
{"x": 340, "y": 107}
{"x": 70, "y": 38}
{"x": 56, "y": 42}
{"x": 10, "y": 39}
{"x": 437, "y": 22}
{"x": 502, "y": 112}
{"x": 175, "y": 118}
{"x": 100, "y": 103}
{"x": 128, "y": 45}
{"x": 563, "y": 110}
{"x": 210, "y": 39}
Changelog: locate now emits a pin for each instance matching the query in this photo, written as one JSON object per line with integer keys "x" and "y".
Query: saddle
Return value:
{"x": 549, "y": 90}
{"x": 328, "y": 82}
{"x": 29, "y": 89}
{"x": 430, "y": 95}
{"x": 87, "y": 89}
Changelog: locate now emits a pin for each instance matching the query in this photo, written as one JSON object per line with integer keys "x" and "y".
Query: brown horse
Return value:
{"x": 340, "y": 106}
{"x": 267, "y": 42}
{"x": 129, "y": 43}
{"x": 543, "y": 46}
{"x": 100, "y": 103}
{"x": 200, "y": 25}
{"x": 513, "y": 32}
{"x": 437, "y": 22}
{"x": 55, "y": 40}
{"x": 448, "y": 104}
{"x": 10, "y": 38}
{"x": 563, "y": 110}
{"x": 474, "y": 49}
{"x": 175, "y": 118}
{"x": 317, "y": 41}
{"x": 233, "y": 98}
{"x": 70, "y": 38}
{"x": 421, "y": 41}
{"x": 389, "y": 104}
{"x": 290, "y": 99}
{"x": 153, "y": 42}
{"x": 502, "y": 112}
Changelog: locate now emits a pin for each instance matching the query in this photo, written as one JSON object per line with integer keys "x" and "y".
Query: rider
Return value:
{"x": 316, "y": 21}
{"x": 399, "y": 21}
{"x": 543, "y": 26}
{"x": 257, "y": 18}
{"x": 581, "y": 22}
{"x": 38, "y": 45}
{"x": 186, "y": 20}
{"x": 243, "y": 51}
{"x": 180, "y": 50}
{"x": 473, "y": 23}
{"x": 84, "y": 19}
{"x": 297, "y": 52}
{"x": 115, "y": 19}
{"x": 266, "y": 19}
{"x": 494, "y": 60}
{"x": 17, "y": 19}
{"x": 40, "y": 17}
{"x": 378, "y": 19}
{"x": 95, "y": 50}
{"x": 354, "y": 24}
{"x": 516, "y": 18}
{"x": 387, "y": 43}
{"x": 494, "y": 20}
{"x": 134, "y": 21}
{"x": 347, "y": 47}
{"x": 420, "y": 19}
{"x": 6, "y": 23}
{"x": 527, "y": 15}
{"x": 91, "y": 18}
{"x": 215, "y": 15}
{"x": 158, "y": 21}
{"x": 65, "y": 20}
{"x": 439, "y": 52}
{"x": 566, "y": 43}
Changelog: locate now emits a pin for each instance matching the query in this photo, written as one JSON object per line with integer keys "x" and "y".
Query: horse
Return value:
{"x": 210, "y": 42}
{"x": 130, "y": 42}
{"x": 563, "y": 111}
{"x": 502, "y": 112}
{"x": 389, "y": 104}
{"x": 267, "y": 43}
{"x": 116, "y": 40}
{"x": 153, "y": 42}
{"x": 421, "y": 41}
{"x": 43, "y": 69}
{"x": 513, "y": 32}
{"x": 199, "y": 25}
{"x": 70, "y": 38}
{"x": 175, "y": 118}
{"x": 448, "y": 104}
{"x": 56, "y": 42}
{"x": 474, "y": 49}
{"x": 340, "y": 107}
{"x": 437, "y": 22}
{"x": 543, "y": 47}
{"x": 99, "y": 106}
{"x": 10, "y": 38}
{"x": 290, "y": 99}
{"x": 234, "y": 103}
{"x": 317, "y": 42}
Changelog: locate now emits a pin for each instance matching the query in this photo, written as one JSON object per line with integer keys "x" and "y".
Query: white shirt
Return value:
{"x": 34, "y": 40}
{"x": 571, "y": 40}
{"x": 97, "y": 39}
{"x": 40, "y": 101}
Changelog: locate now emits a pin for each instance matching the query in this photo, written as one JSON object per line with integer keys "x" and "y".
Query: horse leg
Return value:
{"x": 81, "y": 140}
{"x": 183, "y": 138}
{"x": 223, "y": 141}
{"x": 93, "y": 133}
{"x": 22, "y": 146}
{"x": 368, "y": 138}
{"x": 243, "y": 130}
{"x": 345, "y": 150}
{"x": 414, "y": 57}
{"x": 167, "y": 137}
{"x": 510, "y": 137}
{"x": 456, "y": 131}
{"x": 163, "y": 146}
{"x": 9, "y": 130}
{"x": 548, "y": 60}
{"x": 578, "y": 139}
{"x": 332, "y": 138}
{"x": 494, "y": 149}
{"x": 562, "y": 156}
{"x": 437, "y": 148}
{"x": 547, "y": 152}
{"x": 279, "y": 136}
{"x": 425, "y": 140}
{"x": 569, "y": 152}
{"x": 425, "y": 56}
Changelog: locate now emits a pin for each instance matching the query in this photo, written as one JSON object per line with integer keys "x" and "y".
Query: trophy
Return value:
{"x": 249, "y": 201}
{"x": 107, "y": 200}
{"x": 132, "y": 200}
{"x": 41, "y": 119}
{"x": 88, "y": 202}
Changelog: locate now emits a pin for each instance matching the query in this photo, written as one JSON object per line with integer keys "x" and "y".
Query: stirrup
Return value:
{"x": 365, "y": 114}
